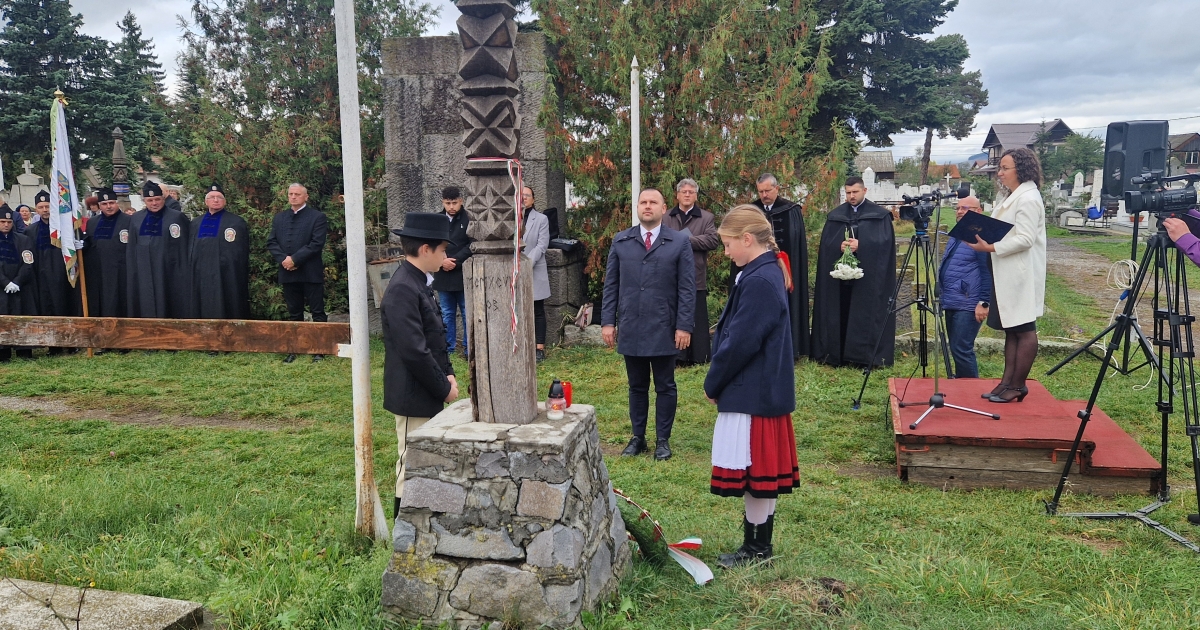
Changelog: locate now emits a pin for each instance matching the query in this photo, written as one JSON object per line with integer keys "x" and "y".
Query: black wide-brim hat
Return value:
{"x": 425, "y": 225}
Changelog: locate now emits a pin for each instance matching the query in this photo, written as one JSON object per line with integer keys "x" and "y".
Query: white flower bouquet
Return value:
{"x": 846, "y": 267}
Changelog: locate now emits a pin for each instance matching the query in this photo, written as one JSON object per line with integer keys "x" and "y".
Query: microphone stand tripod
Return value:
{"x": 938, "y": 399}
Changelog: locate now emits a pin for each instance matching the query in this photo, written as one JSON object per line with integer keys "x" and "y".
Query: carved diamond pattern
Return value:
{"x": 489, "y": 205}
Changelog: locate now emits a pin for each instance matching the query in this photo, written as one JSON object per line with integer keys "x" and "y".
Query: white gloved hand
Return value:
{"x": 12, "y": 288}
{"x": 79, "y": 245}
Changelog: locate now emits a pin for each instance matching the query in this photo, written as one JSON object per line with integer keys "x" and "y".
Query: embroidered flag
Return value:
{"x": 65, "y": 212}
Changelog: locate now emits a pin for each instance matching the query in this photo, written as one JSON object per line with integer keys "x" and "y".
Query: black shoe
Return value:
{"x": 396, "y": 509}
{"x": 637, "y": 446}
{"x": 756, "y": 545}
{"x": 541, "y": 355}
{"x": 662, "y": 451}
{"x": 317, "y": 358}
{"x": 289, "y": 358}
{"x": 996, "y": 391}
{"x": 1010, "y": 394}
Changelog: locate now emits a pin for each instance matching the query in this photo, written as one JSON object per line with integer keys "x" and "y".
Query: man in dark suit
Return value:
{"x": 448, "y": 281}
{"x": 417, "y": 376}
{"x": 296, "y": 241}
{"x": 106, "y": 238}
{"x": 649, "y": 296}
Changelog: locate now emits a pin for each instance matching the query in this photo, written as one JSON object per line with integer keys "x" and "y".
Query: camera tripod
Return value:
{"x": 928, "y": 304}
{"x": 1173, "y": 363}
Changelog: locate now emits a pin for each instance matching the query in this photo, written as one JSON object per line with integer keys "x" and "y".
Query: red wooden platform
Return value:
{"x": 1022, "y": 450}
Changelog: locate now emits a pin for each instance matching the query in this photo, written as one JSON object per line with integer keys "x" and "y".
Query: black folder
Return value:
{"x": 975, "y": 223}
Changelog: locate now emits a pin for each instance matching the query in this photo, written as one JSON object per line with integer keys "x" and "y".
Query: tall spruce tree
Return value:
{"x": 138, "y": 84}
{"x": 257, "y": 109}
{"x": 41, "y": 50}
{"x": 730, "y": 90}
{"x": 888, "y": 76}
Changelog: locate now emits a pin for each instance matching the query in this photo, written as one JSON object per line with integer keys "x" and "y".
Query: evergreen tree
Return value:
{"x": 257, "y": 109}
{"x": 888, "y": 76}
{"x": 136, "y": 88}
{"x": 729, "y": 91}
{"x": 41, "y": 50}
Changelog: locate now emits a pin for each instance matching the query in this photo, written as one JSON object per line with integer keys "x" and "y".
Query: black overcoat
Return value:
{"x": 105, "y": 243}
{"x": 648, "y": 295}
{"x": 158, "y": 274}
{"x": 869, "y": 315}
{"x": 16, "y": 266}
{"x": 300, "y": 235}
{"x": 220, "y": 266}
{"x": 459, "y": 249}
{"x": 55, "y": 295}
{"x": 416, "y": 363}
{"x": 787, "y": 220}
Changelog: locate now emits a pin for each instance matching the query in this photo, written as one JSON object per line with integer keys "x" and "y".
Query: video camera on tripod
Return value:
{"x": 1155, "y": 198}
{"x": 920, "y": 209}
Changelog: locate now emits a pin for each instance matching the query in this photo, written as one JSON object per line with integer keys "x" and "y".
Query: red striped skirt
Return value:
{"x": 773, "y": 470}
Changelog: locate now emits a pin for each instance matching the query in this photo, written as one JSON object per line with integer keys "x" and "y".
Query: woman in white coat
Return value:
{"x": 536, "y": 238}
{"x": 1018, "y": 270}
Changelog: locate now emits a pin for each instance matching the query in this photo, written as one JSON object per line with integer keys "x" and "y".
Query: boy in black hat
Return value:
{"x": 417, "y": 377}
{"x": 16, "y": 276}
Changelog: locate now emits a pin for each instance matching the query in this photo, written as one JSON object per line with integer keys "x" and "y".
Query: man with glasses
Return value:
{"x": 966, "y": 294}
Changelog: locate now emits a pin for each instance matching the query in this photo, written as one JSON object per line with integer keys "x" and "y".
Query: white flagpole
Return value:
{"x": 635, "y": 134}
{"x": 369, "y": 519}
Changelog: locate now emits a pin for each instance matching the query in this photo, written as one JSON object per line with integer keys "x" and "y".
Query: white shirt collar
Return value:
{"x": 297, "y": 210}
{"x": 428, "y": 278}
{"x": 653, "y": 233}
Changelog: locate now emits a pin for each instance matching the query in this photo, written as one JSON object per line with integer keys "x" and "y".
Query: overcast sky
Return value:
{"x": 1089, "y": 62}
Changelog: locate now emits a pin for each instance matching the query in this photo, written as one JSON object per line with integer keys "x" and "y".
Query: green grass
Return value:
{"x": 256, "y": 523}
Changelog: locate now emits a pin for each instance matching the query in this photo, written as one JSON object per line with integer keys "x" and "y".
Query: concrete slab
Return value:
{"x": 26, "y": 605}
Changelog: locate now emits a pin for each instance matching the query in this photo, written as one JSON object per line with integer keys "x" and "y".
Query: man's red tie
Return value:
{"x": 647, "y": 241}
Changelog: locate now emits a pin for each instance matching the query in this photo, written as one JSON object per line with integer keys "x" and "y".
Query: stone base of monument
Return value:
{"x": 505, "y": 522}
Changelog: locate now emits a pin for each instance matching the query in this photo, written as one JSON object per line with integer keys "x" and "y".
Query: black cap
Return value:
{"x": 6, "y": 213}
{"x": 151, "y": 189}
{"x": 41, "y": 196}
{"x": 215, "y": 188}
{"x": 556, "y": 389}
{"x": 106, "y": 194}
{"x": 451, "y": 192}
{"x": 425, "y": 225}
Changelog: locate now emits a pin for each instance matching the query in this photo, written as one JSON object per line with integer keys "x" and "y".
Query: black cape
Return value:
{"x": 221, "y": 267}
{"x": 867, "y": 312}
{"x": 105, "y": 243}
{"x": 16, "y": 266}
{"x": 787, "y": 219}
{"x": 55, "y": 295}
{"x": 158, "y": 276}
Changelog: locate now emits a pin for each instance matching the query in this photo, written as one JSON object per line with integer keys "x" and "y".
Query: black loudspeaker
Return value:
{"x": 1133, "y": 148}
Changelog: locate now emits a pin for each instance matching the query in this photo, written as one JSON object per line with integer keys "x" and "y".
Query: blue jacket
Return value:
{"x": 648, "y": 295}
{"x": 964, "y": 276}
{"x": 752, "y": 369}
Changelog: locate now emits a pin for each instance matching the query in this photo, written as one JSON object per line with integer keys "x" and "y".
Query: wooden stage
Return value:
{"x": 1023, "y": 450}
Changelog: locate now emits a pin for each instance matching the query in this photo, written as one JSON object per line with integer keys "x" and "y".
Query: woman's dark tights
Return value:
{"x": 1020, "y": 349}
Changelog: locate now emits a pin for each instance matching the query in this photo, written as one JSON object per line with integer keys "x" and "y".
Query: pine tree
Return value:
{"x": 41, "y": 50}
{"x": 136, "y": 85}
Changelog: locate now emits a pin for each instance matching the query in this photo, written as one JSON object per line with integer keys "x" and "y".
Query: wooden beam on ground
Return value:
{"x": 124, "y": 333}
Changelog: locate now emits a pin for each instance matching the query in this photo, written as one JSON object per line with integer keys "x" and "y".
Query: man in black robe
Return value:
{"x": 851, "y": 316}
{"x": 220, "y": 255}
{"x": 105, "y": 241}
{"x": 16, "y": 276}
{"x": 787, "y": 220}
{"x": 55, "y": 294}
{"x": 158, "y": 276}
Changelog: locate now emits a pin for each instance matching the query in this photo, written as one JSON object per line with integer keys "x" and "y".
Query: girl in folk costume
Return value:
{"x": 751, "y": 380}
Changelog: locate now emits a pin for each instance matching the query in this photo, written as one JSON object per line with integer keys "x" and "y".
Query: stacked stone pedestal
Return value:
{"x": 505, "y": 522}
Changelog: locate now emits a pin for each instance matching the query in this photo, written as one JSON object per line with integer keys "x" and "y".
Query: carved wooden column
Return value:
{"x": 120, "y": 167}
{"x": 503, "y": 377}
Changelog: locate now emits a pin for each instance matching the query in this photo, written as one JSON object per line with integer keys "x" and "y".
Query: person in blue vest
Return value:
{"x": 16, "y": 276}
{"x": 965, "y": 287}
